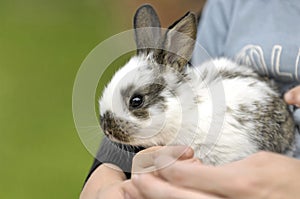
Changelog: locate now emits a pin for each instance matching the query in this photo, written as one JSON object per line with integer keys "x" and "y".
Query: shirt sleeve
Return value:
{"x": 213, "y": 29}
{"x": 118, "y": 154}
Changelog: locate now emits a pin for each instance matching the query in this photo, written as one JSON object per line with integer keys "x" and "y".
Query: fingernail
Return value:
{"x": 189, "y": 152}
{"x": 127, "y": 196}
{"x": 186, "y": 150}
{"x": 196, "y": 161}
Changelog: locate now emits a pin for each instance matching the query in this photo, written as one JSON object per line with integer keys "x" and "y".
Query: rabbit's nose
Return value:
{"x": 112, "y": 127}
{"x": 104, "y": 125}
{"x": 107, "y": 121}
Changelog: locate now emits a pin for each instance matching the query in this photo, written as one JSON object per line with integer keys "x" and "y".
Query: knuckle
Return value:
{"x": 246, "y": 185}
{"x": 176, "y": 174}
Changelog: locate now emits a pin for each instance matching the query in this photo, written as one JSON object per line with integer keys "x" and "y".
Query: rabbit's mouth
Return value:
{"x": 117, "y": 137}
{"x": 114, "y": 128}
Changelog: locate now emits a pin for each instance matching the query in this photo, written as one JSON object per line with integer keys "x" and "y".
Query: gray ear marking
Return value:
{"x": 146, "y": 37}
{"x": 179, "y": 42}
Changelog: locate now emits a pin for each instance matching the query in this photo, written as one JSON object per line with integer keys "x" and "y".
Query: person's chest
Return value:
{"x": 266, "y": 37}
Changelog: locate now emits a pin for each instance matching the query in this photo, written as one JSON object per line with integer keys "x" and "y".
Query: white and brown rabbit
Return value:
{"x": 223, "y": 110}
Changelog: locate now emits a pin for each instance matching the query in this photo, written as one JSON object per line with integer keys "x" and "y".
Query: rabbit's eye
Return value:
{"x": 136, "y": 101}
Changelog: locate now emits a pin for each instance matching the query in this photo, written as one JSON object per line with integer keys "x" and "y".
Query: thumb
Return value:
{"x": 292, "y": 97}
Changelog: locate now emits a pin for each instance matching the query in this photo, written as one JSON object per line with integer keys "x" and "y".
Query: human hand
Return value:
{"x": 105, "y": 182}
{"x": 143, "y": 162}
{"x": 153, "y": 186}
{"x": 261, "y": 175}
{"x": 108, "y": 181}
{"x": 292, "y": 97}
{"x": 115, "y": 191}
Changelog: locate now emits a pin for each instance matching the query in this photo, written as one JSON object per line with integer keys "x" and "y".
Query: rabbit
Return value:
{"x": 223, "y": 110}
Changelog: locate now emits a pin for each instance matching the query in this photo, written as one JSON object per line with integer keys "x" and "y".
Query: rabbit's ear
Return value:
{"x": 146, "y": 38}
{"x": 179, "y": 42}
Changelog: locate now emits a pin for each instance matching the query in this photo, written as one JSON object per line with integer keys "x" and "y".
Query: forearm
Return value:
{"x": 105, "y": 175}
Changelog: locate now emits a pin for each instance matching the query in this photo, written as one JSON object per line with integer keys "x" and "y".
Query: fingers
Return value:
{"x": 130, "y": 191}
{"x": 193, "y": 176}
{"x": 151, "y": 187}
{"x": 181, "y": 152}
{"x": 248, "y": 178}
{"x": 192, "y": 161}
{"x": 293, "y": 96}
{"x": 240, "y": 179}
{"x": 144, "y": 160}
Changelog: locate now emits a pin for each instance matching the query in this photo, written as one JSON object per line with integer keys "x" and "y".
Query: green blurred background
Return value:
{"x": 42, "y": 44}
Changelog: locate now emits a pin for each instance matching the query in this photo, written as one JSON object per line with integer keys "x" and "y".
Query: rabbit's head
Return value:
{"x": 140, "y": 105}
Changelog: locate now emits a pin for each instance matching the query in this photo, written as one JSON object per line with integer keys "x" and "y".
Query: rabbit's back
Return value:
{"x": 255, "y": 118}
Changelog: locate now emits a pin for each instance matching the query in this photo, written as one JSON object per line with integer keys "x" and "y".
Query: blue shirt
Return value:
{"x": 264, "y": 34}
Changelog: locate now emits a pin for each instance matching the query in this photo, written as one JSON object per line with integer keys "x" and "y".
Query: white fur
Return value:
{"x": 197, "y": 108}
{"x": 230, "y": 141}
{"x": 190, "y": 124}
